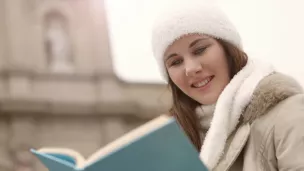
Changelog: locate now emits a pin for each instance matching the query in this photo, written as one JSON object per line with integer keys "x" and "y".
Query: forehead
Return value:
{"x": 184, "y": 42}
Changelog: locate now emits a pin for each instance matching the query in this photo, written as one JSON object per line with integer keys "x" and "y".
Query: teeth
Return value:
{"x": 202, "y": 83}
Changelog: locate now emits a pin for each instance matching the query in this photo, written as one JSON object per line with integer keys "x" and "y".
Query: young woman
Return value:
{"x": 239, "y": 112}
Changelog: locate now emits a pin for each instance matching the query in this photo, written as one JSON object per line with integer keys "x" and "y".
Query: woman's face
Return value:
{"x": 198, "y": 66}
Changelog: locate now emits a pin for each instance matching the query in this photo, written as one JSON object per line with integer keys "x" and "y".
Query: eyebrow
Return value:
{"x": 191, "y": 45}
{"x": 196, "y": 41}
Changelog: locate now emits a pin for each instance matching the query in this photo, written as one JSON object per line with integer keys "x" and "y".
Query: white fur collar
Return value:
{"x": 230, "y": 105}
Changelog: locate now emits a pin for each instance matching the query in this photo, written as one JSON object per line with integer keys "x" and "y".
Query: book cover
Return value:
{"x": 159, "y": 145}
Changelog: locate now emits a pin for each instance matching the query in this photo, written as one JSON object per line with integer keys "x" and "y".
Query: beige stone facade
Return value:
{"x": 57, "y": 85}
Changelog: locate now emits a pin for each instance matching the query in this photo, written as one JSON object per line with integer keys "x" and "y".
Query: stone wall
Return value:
{"x": 57, "y": 84}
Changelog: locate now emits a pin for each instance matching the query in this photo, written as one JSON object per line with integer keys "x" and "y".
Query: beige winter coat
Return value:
{"x": 270, "y": 136}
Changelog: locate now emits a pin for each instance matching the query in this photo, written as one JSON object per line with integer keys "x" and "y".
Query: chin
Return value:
{"x": 207, "y": 103}
{"x": 207, "y": 100}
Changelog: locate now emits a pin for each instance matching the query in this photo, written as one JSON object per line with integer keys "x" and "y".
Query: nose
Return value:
{"x": 192, "y": 67}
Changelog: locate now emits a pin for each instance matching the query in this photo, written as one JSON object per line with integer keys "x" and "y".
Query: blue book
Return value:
{"x": 158, "y": 145}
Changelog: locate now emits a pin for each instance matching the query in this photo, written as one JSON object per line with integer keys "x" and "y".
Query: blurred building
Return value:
{"x": 58, "y": 87}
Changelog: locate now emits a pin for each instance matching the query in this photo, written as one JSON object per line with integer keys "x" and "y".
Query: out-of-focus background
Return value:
{"x": 57, "y": 82}
{"x": 80, "y": 73}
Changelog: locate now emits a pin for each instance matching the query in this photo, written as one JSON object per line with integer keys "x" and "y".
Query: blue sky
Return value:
{"x": 271, "y": 30}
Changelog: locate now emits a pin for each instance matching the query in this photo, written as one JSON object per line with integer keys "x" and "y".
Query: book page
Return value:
{"x": 125, "y": 139}
{"x": 79, "y": 159}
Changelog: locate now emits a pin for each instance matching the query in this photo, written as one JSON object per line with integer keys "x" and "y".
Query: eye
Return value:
{"x": 176, "y": 62}
{"x": 199, "y": 51}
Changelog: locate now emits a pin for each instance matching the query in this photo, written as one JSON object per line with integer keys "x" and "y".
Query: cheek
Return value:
{"x": 218, "y": 63}
{"x": 178, "y": 78}
{"x": 221, "y": 71}
{"x": 221, "y": 67}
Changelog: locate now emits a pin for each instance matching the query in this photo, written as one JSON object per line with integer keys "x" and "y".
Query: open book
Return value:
{"x": 158, "y": 145}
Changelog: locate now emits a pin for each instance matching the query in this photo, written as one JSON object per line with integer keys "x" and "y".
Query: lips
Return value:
{"x": 202, "y": 83}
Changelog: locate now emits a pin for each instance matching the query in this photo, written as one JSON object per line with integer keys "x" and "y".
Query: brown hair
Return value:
{"x": 183, "y": 107}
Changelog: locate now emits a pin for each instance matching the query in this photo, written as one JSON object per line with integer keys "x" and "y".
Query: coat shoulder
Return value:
{"x": 276, "y": 138}
{"x": 278, "y": 103}
{"x": 271, "y": 91}
{"x": 289, "y": 112}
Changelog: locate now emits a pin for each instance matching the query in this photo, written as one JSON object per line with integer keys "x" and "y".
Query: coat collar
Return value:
{"x": 269, "y": 92}
{"x": 250, "y": 94}
{"x": 233, "y": 147}
{"x": 229, "y": 107}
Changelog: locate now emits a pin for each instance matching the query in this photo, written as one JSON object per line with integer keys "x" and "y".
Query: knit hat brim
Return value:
{"x": 197, "y": 18}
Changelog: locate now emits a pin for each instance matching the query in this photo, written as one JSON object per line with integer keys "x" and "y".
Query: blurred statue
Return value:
{"x": 58, "y": 47}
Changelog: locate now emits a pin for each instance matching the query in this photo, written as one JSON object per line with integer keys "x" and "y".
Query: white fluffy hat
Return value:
{"x": 179, "y": 19}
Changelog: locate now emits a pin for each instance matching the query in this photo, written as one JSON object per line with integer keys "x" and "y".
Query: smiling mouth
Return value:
{"x": 202, "y": 83}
